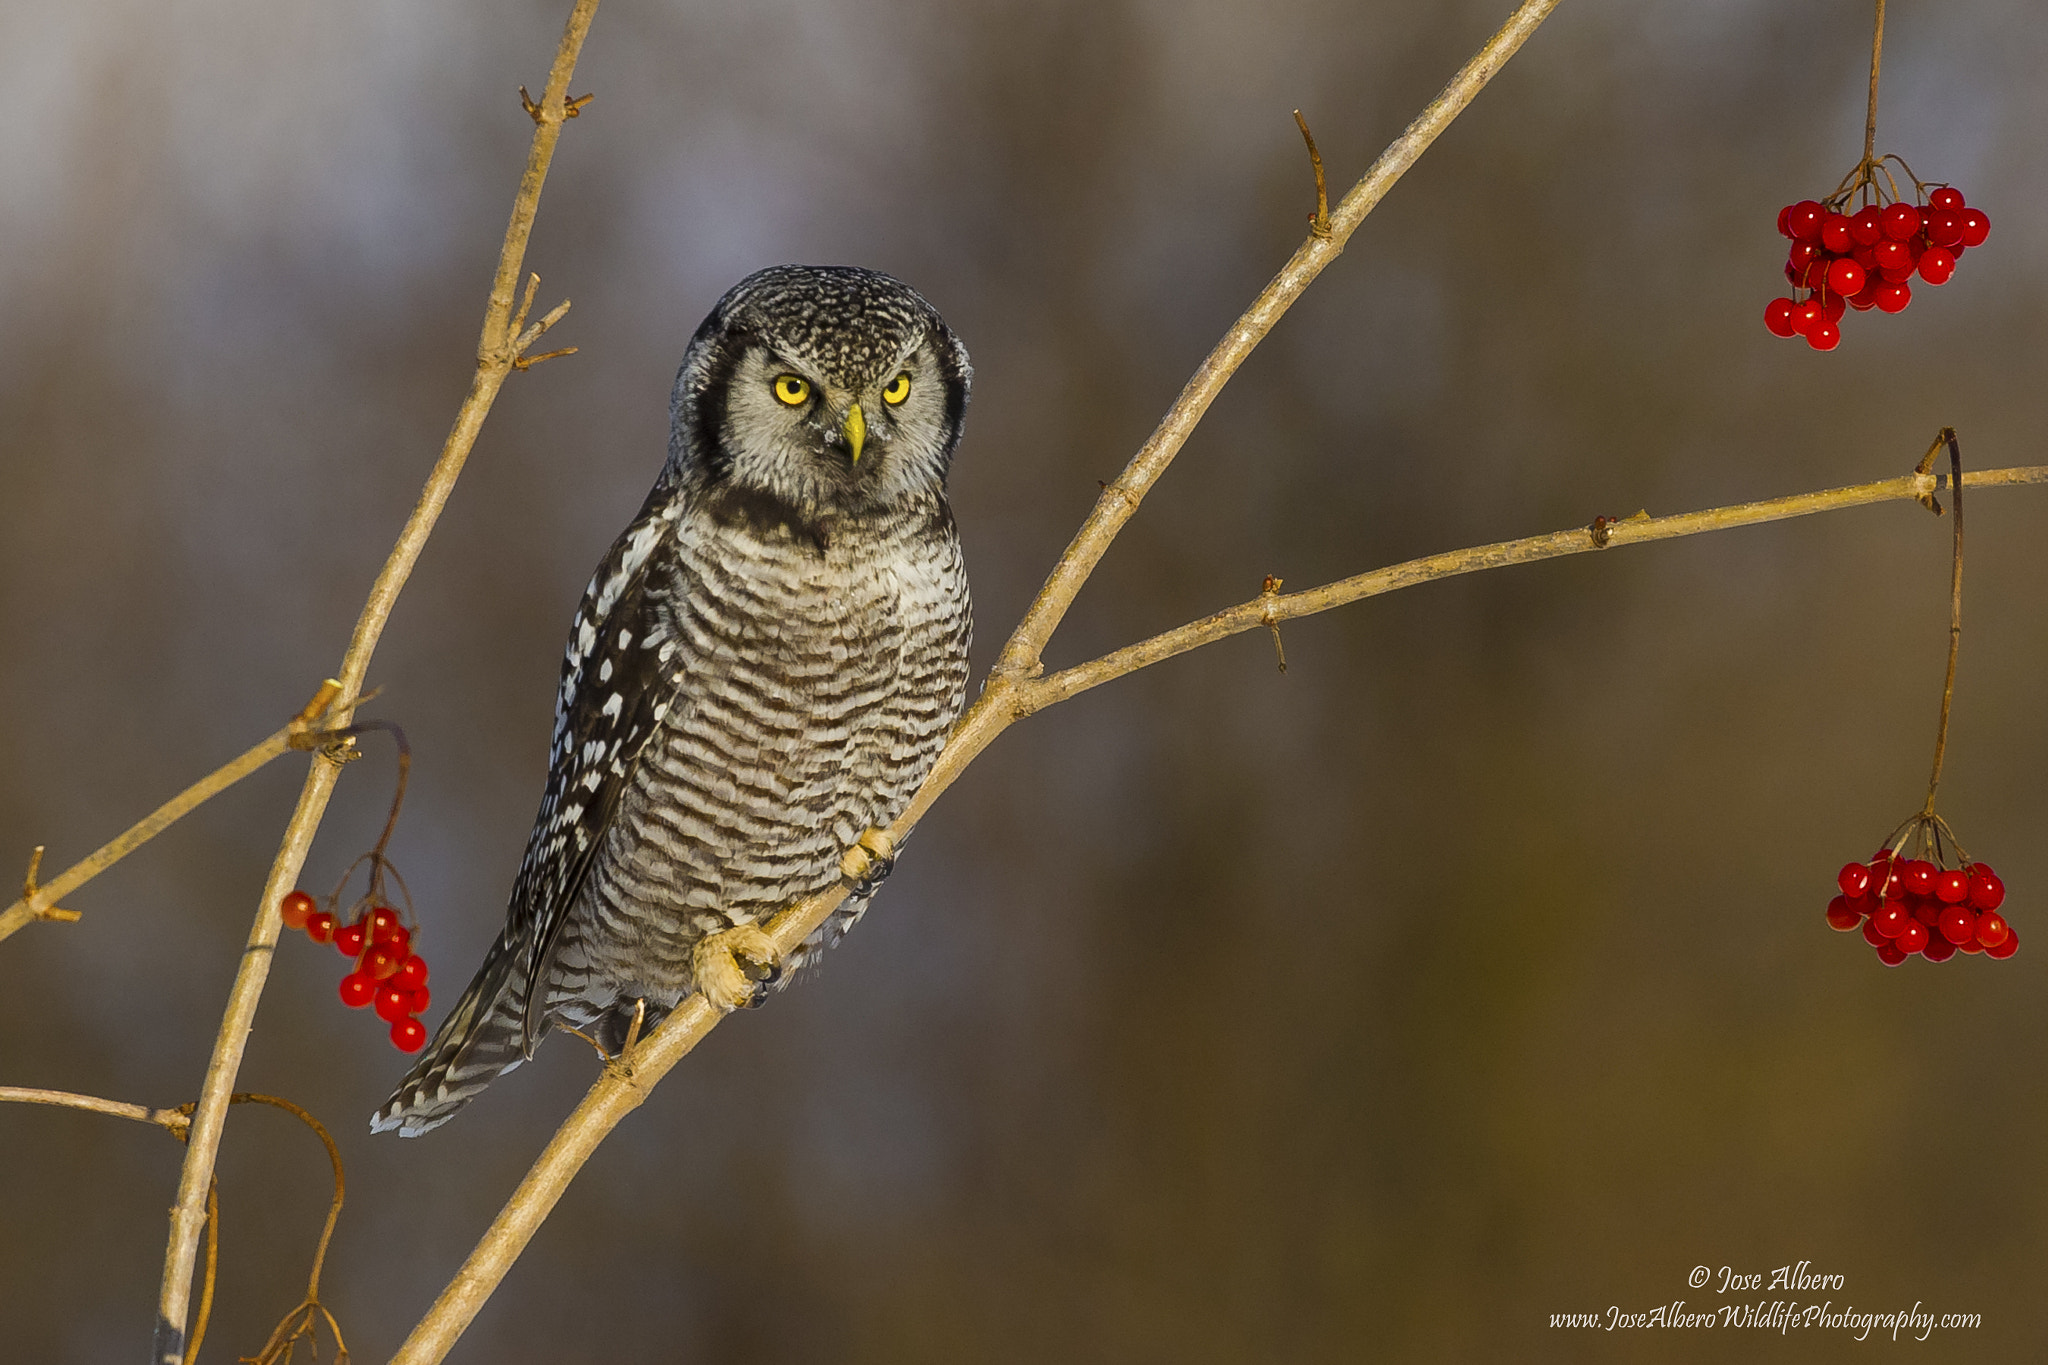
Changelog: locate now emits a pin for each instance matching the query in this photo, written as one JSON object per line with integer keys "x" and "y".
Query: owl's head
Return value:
{"x": 820, "y": 391}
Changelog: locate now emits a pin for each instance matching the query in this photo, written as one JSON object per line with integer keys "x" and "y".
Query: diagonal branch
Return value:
{"x": 1120, "y": 498}
{"x": 40, "y": 901}
{"x": 501, "y": 343}
{"x": 622, "y": 1088}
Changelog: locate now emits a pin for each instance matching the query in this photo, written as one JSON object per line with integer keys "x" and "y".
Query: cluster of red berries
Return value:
{"x": 388, "y": 973}
{"x": 1908, "y": 905}
{"x": 1865, "y": 260}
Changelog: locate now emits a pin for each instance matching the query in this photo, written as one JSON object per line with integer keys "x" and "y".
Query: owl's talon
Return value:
{"x": 868, "y": 862}
{"x": 722, "y": 979}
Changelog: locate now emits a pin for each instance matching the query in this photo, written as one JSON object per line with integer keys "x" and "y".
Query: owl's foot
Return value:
{"x": 869, "y": 861}
{"x": 735, "y": 967}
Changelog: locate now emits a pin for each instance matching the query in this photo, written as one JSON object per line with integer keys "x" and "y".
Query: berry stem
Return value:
{"x": 1876, "y": 64}
{"x": 1955, "y": 603}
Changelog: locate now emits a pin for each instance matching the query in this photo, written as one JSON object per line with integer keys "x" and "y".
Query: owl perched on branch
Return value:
{"x": 762, "y": 670}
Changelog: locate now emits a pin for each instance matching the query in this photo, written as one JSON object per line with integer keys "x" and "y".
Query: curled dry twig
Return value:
{"x": 295, "y": 1325}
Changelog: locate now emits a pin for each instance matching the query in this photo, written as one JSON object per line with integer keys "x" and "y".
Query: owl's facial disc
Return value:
{"x": 814, "y": 438}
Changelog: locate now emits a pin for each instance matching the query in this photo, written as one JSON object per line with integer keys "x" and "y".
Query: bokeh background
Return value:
{"x": 1472, "y": 971}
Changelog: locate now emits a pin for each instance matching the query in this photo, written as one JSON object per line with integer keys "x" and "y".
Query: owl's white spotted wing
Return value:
{"x": 614, "y": 692}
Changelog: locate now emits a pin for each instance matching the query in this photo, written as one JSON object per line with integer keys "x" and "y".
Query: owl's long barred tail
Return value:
{"x": 480, "y": 1038}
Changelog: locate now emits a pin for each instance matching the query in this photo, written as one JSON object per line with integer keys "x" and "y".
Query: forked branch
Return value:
{"x": 621, "y": 1089}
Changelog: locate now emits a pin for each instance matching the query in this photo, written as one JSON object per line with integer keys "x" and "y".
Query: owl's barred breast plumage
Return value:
{"x": 764, "y": 666}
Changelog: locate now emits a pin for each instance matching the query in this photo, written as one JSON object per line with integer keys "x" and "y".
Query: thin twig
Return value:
{"x": 39, "y": 901}
{"x": 1955, "y": 610}
{"x": 498, "y": 347}
{"x": 174, "y": 1120}
{"x": 1876, "y": 63}
{"x": 1319, "y": 221}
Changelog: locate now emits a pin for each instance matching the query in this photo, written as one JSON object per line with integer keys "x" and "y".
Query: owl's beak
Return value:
{"x": 856, "y": 431}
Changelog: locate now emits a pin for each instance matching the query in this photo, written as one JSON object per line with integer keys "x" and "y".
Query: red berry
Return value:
{"x": 1976, "y": 227}
{"x": 1806, "y": 316}
{"x": 1891, "y": 954}
{"x": 1919, "y": 877}
{"x": 421, "y": 998}
{"x": 1937, "y": 264}
{"x": 1938, "y": 949}
{"x": 1865, "y": 299}
{"x": 1952, "y": 887}
{"x": 295, "y": 909}
{"x": 378, "y": 963}
{"x": 349, "y": 939}
{"x": 1834, "y": 305}
{"x": 2006, "y": 947}
{"x": 393, "y": 1004}
{"x": 1901, "y": 221}
{"x": 1867, "y": 226}
{"x": 408, "y": 1035}
{"x": 1926, "y": 909}
{"x": 1784, "y": 230}
{"x": 1804, "y": 218}
{"x": 1987, "y": 892}
{"x": 1972, "y": 946}
{"x": 1945, "y": 227}
{"x": 1892, "y": 920}
{"x": 383, "y": 920}
{"x": 411, "y": 973}
{"x": 1913, "y": 938}
{"x": 1992, "y": 929}
{"x": 1778, "y": 317}
{"x": 1892, "y": 255}
{"x": 1872, "y": 934}
{"x": 320, "y": 926}
{"x": 1845, "y": 277}
{"x": 1834, "y": 234}
{"x": 1842, "y": 915}
{"x": 1893, "y": 295}
{"x": 398, "y": 942}
{"x": 1803, "y": 254}
{"x": 1854, "y": 879}
{"x": 356, "y": 990}
{"x": 1958, "y": 925}
{"x": 1945, "y": 198}
{"x": 1825, "y": 336}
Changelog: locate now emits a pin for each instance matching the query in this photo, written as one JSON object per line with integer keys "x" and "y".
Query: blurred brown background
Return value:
{"x": 1472, "y": 971}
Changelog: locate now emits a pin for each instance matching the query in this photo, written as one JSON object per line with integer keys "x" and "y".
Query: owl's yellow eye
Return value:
{"x": 897, "y": 389}
{"x": 792, "y": 390}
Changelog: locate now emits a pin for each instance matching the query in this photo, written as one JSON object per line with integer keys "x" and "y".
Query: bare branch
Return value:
{"x": 497, "y": 349}
{"x": 621, "y": 1089}
{"x": 172, "y": 1119}
{"x": 39, "y": 901}
{"x": 1120, "y": 498}
{"x": 1265, "y": 610}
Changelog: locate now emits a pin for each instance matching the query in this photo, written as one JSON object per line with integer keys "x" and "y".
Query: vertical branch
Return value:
{"x": 498, "y": 349}
{"x": 1876, "y": 63}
